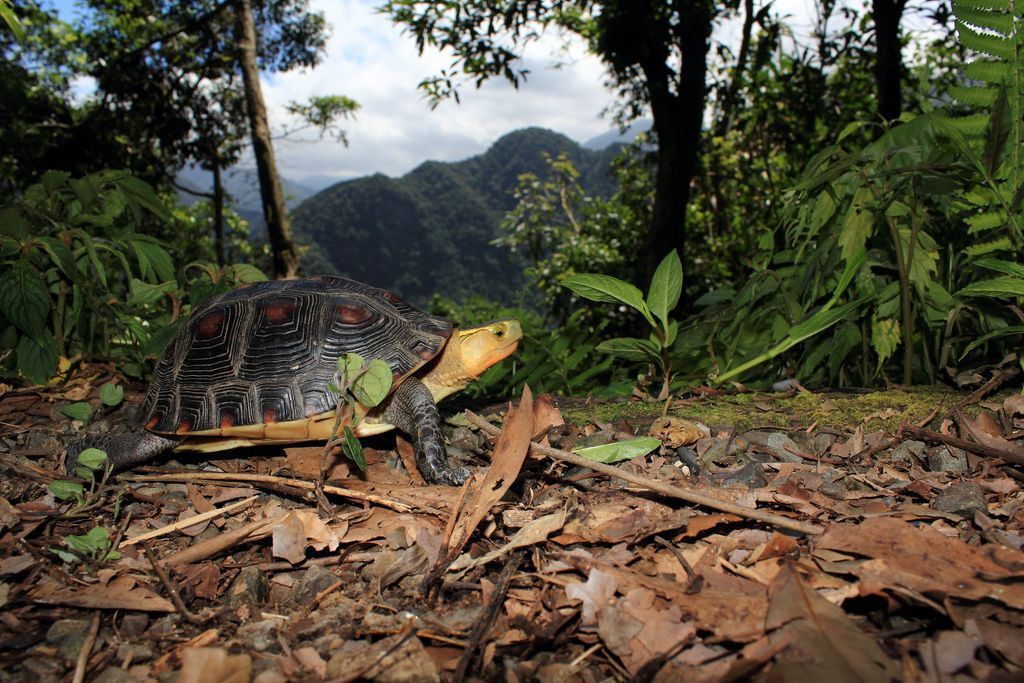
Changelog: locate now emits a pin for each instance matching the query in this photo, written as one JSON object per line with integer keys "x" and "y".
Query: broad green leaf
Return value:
{"x": 24, "y": 299}
{"x": 92, "y": 458}
{"x": 62, "y": 489}
{"x": 36, "y": 362}
{"x": 94, "y": 541}
{"x": 857, "y": 224}
{"x": 374, "y": 385}
{"x": 630, "y": 348}
{"x": 244, "y": 273}
{"x": 61, "y": 255}
{"x": 143, "y": 293}
{"x": 619, "y": 450}
{"x": 349, "y": 364}
{"x": 111, "y": 394}
{"x": 351, "y": 447}
{"x": 154, "y": 262}
{"x": 885, "y": 338}
{"x": 608, "y": 289}
{"x": 78, "y": 411}
{"x": 997, "y": 287}
{"x": 666, "y": 286}
{"x": 1000, "y": 266}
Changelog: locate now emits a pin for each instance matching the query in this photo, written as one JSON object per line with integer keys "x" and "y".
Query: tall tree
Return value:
{"x": 656, "y": 52}
{"x": 888, "y": 56}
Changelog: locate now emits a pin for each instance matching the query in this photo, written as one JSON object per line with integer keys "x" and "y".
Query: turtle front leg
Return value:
{"x": 123, "y": 450}
{"x": 412, "y": 410}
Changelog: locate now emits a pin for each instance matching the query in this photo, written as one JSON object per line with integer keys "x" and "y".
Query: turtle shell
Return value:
{"x": 265, "y": 353}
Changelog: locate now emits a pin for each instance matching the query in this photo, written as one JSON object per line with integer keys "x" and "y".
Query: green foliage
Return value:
{"x": 111, "y": 394}
{"x": 662, "y": 298}
{"x": 91, "y": 549}
{"x": 359, "y": 386}
{"x": 619, "y": 450}
{"x": 79, "y": 277}
{"x": 78, "y": 411}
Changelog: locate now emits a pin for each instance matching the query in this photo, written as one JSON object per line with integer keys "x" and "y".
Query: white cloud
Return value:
{"x": 369, "y": 60}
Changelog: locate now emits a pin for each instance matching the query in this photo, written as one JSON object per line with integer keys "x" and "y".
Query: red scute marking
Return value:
{"x": 279, "y": 310}
{"x": 352, "y": 315}
{"x": 426, "y": 354}
{"x": 269, "y": 415}
{"x": 393, "y": 298}
{"x": 210, "y": 324}
{"x": 153, "y": 421}
{"x": 227, "y": 419}
{"x": 184, "y": 426}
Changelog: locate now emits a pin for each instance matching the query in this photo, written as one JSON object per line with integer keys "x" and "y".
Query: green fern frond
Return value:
{"x": 991, "y": 5}
{"x": 982, "y": 248}
{"x": 971, "y": 124}
{"x": 974, "y": 96}
{"x": 999, "y": 22}
{"x": 994, "y": 46}
{"x": 988, "y": 71}
{"x": 986, "y": 221}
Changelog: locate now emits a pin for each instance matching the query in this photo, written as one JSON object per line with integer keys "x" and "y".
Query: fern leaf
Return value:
{"x": 988, "y": 71}
{"x": 982, "y": 248}
{"x": 997, "y": 134}
{"x": 974, "y": 97}
{"x": 985, "y": 221}
{"x": 991, "y": 5}
{"x": 997, "y": 22}
{"x": 971, "y": 124}
{"x": 993, "y": 46}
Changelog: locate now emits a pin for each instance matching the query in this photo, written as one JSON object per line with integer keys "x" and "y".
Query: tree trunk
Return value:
{"x": 678, "y": 120}
{"x": 888, "y": 57}
{"x": 286, "y": 262}
{"x": 218, "y": 211}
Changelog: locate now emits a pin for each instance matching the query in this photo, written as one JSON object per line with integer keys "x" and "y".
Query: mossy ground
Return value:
{"x": 881, "y": 409}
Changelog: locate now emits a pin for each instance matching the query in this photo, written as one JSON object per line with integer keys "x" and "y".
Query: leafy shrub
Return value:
{"x": 79, "y": 277}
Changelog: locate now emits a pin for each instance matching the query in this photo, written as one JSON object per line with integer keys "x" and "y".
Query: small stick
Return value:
{"x": 212, "y": 546}
{"x": 83, "y": 654}
{"x": 661, "y": 487}
{"x": 486, "y": 620}
{"x": 283, "y": 481}
{"x": 973, "y": 447}
{"x": 185, "y": 523}
{"x": 171, "y": 589}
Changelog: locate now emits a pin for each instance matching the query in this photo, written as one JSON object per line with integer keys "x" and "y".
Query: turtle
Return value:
{"x": 254, "y": 366}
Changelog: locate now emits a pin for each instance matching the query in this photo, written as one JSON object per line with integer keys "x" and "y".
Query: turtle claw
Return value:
{"x": 451, "y": 475}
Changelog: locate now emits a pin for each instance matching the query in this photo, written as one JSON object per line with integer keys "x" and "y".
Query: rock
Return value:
{"x": 963, "y": 498}
{"x": 139, "y": 652}
{"x": 312, "y": 582}
{"x": 595, "y": 439}
{"x": 133, "y": 625}
{"x": 466, "y": 440}
{"x": 260, "y": 636}
{"x": 114, "y": 674}
{"x": 948, "y": 459}
{"x": 41, "y": 669}
{"x": 249, "y": 589}
{"x": 907, "y": 452}
{"x": 68, "y": 635}
{"x": 410, "y": 663}
{"x": 750, "y": 475}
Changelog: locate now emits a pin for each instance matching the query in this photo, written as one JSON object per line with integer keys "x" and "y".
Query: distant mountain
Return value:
{"x": 430, "y": 230}
{"x": 616, "y": 136}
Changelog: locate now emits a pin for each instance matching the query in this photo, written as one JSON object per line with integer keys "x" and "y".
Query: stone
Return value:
{"x": 133, "y": 625}
{"x": 948, "y": 459}
{"x": 69, "y": 636}
{"x": 114, "y": 674}
{"x": 260, "y": 636}
{"x": 907, "y": 452}
{"x": 751, "y": 476}
{"x": 249, "y": 589}
{"x": 139, "y": 652}
{"x": 311, "y": 583}
{"x": 963, "y": 498}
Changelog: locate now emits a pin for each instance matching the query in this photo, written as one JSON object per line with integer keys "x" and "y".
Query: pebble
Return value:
{"x": 249, "y": 589}
{"x": 750, "y": 475}
{"x": 133, "y": 625}
{"x": 260, "y": 636}
{"x": 68, "y": 635}
{"x": 907, "y": 452}
{"x": 963, "y": 498}
{"x": 948, "y": 459}
{"x": 114, "y": 674}
{"x": 312, "y": 582}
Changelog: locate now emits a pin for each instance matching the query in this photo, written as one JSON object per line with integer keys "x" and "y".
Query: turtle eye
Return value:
{"x": 499, "y": 333}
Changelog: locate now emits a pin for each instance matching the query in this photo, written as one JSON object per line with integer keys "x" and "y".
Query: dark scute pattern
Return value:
{"x": 271, "y": 349}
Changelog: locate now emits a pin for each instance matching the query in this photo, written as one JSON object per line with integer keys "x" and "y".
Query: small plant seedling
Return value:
{"x": 91, "y": 548}
{"x": 81, "y": 411}
{"x": 662, "y": 298}
{"x": 357, "y": 383}
{"x": 111, "y": 394}
{"x": 90, "y": 462}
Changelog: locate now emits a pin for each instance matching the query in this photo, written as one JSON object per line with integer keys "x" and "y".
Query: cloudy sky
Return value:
{"x": 369, "y": 60}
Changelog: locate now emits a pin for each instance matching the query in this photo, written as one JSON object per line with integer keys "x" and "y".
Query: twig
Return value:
{"x": 212, "y": 546}
{"x": 973, "y": 447}
{"x": 296, "y": 483}
{"x": 694, "y": 580}
{"x": 169, "y": 586}
{"x": 661, "y": 487}
{"x": 83, "y": 654}
{"x": 185, "y": 523}
{"x": 486, "y": 620}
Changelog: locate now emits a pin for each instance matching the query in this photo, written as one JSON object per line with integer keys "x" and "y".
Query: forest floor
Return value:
{"x": 807, "y": 536}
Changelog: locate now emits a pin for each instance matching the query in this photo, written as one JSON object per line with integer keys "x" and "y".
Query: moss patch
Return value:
{"x": 883, "y": 409}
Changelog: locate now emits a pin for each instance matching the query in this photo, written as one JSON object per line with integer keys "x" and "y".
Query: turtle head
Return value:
{"x": 469, "y": 352}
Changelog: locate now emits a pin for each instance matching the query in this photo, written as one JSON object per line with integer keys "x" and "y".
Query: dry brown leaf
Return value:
{"x": 203, "y": 579}
{"x": 1014, "y": 405}
{"x": 214, "y": 665}
{"x": 923, "y": 560}
{"x": 594, "y": 594}
{"x": 978, "y": 432}
{"x": 310, "y": 660}
{"x": 289, "y": 539}
{"x": 675, "y": 432}
{"x": 639, "y": 628}
{"x": 509, "y": 455}
{"x": 615, "y": 522}
{"x": 545, "y": 416}
{"x": 823, "y": 642}
{"x": 121, "y": 594}
{"x": 533, "y": 532}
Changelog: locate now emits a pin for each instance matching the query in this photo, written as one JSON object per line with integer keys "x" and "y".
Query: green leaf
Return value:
{"x": 619, "y": 450}
{"x": 143, "y": 293}
{"x": 994, "y": 334}
{"x": 244, "y": 273}
{"x": 24, "y": 299}
{"x": 92, "y": 458}
{"x": 1000, "y": 266}
{"x": 154, "y": 263}
{"x": 62, "y": 489}
{"x": 630, "y": 348}
{"x": 36, "y": 362}
{"x": 351, "y": 447}
{"x": 608, "y": 289}
{"x": 111, "y": 394}
{"x": 61, "y": 255}
{"x": 997, "y": 287}
{"x": 95, "y": 541}
{"x": 349, "y": 365}
{"x": 666, "y": 286}
{"x": 885, "y": 338}
{"x": 78, "y": 411}
{"x": 374, "y": 385}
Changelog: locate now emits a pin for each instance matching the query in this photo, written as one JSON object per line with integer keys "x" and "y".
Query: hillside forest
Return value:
{"x": 755, "y": 352}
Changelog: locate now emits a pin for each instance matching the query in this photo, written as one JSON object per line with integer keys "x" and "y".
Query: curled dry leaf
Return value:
{"x": 675, "y": 432}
